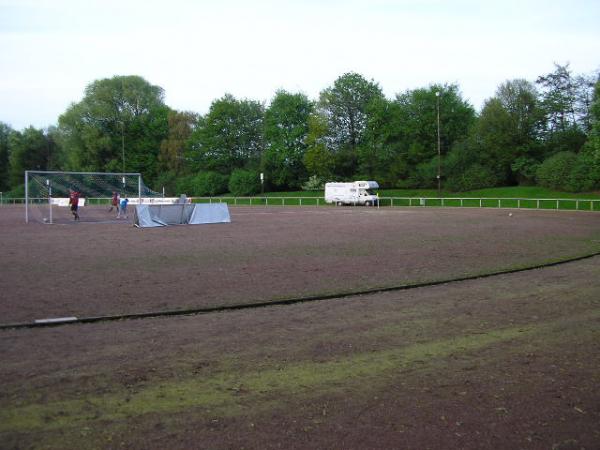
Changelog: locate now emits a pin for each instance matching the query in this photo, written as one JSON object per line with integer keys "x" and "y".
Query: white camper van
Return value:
{"x": 355, "y": 193}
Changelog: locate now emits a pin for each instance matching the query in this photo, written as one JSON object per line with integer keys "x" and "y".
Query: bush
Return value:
{"x": 424, "y": 175}
{"x": 168, "y": 180}
{"x": 555, "y": 171}
{"x": 184, "y": 185}
{"x": 244, "y": 183}
{"x": 314, "y": 183}
{"x": 475, "y": 177}
{"x": 209, "y": 184}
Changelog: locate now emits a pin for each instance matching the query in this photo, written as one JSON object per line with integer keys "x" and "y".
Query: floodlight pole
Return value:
{"x": 439, "y": 147}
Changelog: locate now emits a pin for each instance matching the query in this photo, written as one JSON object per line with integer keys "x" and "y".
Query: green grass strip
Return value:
{"x": 226, "y": 392}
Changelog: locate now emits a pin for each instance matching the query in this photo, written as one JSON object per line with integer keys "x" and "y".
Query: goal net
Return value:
{"x": 47, "y": 194}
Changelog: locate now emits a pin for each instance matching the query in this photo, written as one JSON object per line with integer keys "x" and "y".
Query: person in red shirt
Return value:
{"x": 114, "y": 202}
{"x": 74, "y": 202}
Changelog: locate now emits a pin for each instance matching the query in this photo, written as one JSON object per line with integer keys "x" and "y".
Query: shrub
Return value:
{"x": 184, "y": 185}
{"x": 209, "y": 183}
{"x": 475, "y": 177}
{"x": 244, "y": 182}
{"x": 314, "y": 183}
{"x": 555, "y": 171}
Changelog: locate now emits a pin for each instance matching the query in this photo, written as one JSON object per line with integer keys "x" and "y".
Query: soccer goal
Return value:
{"x": 47, "y": 194}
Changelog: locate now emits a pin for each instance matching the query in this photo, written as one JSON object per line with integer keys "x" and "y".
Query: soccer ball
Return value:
{"x": 45, "y": 219}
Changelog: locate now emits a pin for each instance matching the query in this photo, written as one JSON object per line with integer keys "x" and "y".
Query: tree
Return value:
{"x": 345, "y": 106}
{"x": 31, "y": 149}
{"x": 229, "y": 137}
{"x": 172, "y": 149}
{"x": 555, "y": 171}
{"x": 562, "y": 98}
{"x": 118, "y": 126}
{"x": 286, "y": 131}
{"x": 244, "y": 182}
{"x": 418, "y": 110}
{"x": 318, "y": 159}
{"x": 383, "y": 155}
{"x": 5, "y": 132}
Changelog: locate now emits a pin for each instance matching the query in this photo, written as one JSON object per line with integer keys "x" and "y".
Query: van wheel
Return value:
{"x": 339, "y": 203}
{"x": 367, "y": 203}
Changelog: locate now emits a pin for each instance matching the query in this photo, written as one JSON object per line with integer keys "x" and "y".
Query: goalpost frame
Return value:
{"x": 58, "y": 172}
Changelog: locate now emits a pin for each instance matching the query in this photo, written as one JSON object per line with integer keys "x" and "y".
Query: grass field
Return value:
{"x": 501, "y": 192}
{"x": 510, "y": 361}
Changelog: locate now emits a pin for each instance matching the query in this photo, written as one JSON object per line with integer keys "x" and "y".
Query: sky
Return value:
{"x": 198, "y": 51}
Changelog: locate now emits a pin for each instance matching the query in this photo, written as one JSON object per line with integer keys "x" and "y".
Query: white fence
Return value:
{"x": 573, "y": 204}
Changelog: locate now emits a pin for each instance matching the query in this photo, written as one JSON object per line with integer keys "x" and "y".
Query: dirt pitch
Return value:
{"x": 505, "y": 362}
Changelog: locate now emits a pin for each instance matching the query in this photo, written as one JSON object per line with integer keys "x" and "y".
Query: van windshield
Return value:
{"x": 370, "y": 191}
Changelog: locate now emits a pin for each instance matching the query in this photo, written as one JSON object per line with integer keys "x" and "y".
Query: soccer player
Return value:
{"x": 114, "y": 202}
{"x": 123, "y": 208}
{"x": 74, "y": 202}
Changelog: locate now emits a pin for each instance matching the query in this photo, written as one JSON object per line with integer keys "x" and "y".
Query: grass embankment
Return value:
{"x": 539, "y": 197}
{"x": 501, "y": 192}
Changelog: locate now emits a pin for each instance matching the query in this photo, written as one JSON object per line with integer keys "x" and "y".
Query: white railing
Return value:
{"x": 574, "y": 204}
{"x": 514, "y": 203}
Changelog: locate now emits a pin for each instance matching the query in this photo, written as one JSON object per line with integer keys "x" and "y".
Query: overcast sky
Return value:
{"x": 199, "y": 50}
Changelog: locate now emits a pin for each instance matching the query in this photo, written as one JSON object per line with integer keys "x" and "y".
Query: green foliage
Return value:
{"x": 244, "y": 182}
{"x": 209, "y": 184}
{"x": 229, "y": 137}
{"x": 5, "y": 132}
{"x": 345, "y": 106}
{"x": 475, "y": 176}
{"x": 525, "y": 168}
{"x": 167, "y": 180}
{"x": 314, "y": 183}
{"x": 555, "y": 171}
{"x": 31, "y": 149}
{"x": 286, "y": 132}
{"x": 424, "y": 175}
{"x": 353, "y": 132}
{"x": 419, "y": 120}
{"x": 123, "y": 115}
{"x": 318, "y": 160}
{"x": 383, "y": 156}
{"x": 172, "y": 149}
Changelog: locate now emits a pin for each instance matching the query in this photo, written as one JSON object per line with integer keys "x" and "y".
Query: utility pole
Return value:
{"x": 439, "y": 147}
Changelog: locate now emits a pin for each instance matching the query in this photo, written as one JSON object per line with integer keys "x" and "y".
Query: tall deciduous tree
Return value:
{"x": 229, "y": 137}
{"x": 561, "y": 97}
{"x": 286, "y": 131}
{"x": 419, "y": 109}
{"x": 383, "y": 156}
{"x": 121, "y": 116}
{"x": 507, "y": 132}
{"x": 345, "y": 106}
{"x": 31, "y": 149}
{"x": 172, "y": 149}
{"x": 5, "y": 132}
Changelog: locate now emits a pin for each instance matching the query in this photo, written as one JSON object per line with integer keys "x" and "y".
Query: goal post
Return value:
{"x": 47, "y": 190}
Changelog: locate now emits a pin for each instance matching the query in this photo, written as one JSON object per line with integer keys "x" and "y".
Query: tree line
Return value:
{"x": 544, "y": 132}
